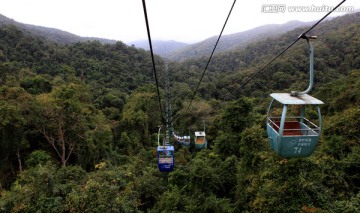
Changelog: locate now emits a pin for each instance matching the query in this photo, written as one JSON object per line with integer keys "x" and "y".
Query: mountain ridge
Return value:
{"x": 179, "y": 51}
{"x": 52, "y": 34}
{"x": 169, "y": 49}
{"x": 235, "y": 40}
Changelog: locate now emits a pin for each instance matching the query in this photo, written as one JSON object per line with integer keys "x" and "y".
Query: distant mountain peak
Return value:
{"x": 161, "y": 47}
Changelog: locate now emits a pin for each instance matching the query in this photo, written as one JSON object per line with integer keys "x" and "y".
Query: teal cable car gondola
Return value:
{"x": 291, "y": 134}
{"x": 294, "y": 135}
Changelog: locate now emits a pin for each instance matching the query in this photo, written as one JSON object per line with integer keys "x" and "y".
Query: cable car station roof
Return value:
{"x": 286, "y": 98}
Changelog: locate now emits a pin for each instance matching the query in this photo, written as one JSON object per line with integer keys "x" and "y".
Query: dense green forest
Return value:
{"x": 79, "y": 122}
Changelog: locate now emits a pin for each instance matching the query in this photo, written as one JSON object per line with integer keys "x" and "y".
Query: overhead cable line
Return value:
{"x": 282, "y": 52}
{"x": 152, "y": 58}
{"x": 208, "y": 62}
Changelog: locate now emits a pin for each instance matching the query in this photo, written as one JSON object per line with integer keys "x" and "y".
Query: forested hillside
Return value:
{"x": 79, "y": 127}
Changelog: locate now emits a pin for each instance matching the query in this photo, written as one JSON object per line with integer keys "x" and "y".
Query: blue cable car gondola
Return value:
{"x": 165, "y": 156}
{"x": 292, "y": 134}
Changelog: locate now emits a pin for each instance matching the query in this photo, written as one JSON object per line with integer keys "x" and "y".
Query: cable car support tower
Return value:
{"x": 168, "y": 112}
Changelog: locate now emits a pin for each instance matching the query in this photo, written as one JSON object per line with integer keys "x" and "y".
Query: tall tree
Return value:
{"x": 14, "y": 115}
{"x": 65, "y": 117}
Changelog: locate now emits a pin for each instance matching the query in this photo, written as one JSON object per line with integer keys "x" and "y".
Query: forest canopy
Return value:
{"x": 79, "y": 122}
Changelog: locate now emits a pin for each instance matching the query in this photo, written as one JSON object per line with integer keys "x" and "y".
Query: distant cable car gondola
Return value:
{"x": 200, "y": 140}
{"x": 183, "y": 140}
{"x": 165, "y": 156}
{"x": 186, "y": 140}
{"x": 292, "y": 134}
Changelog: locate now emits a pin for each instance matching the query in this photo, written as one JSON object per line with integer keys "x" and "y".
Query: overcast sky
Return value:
{"x": 181, "y": 20}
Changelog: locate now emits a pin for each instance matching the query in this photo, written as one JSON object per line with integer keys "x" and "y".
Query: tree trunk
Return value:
{"x": 63, "y": 146}
{"x": 19, "y": 159}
